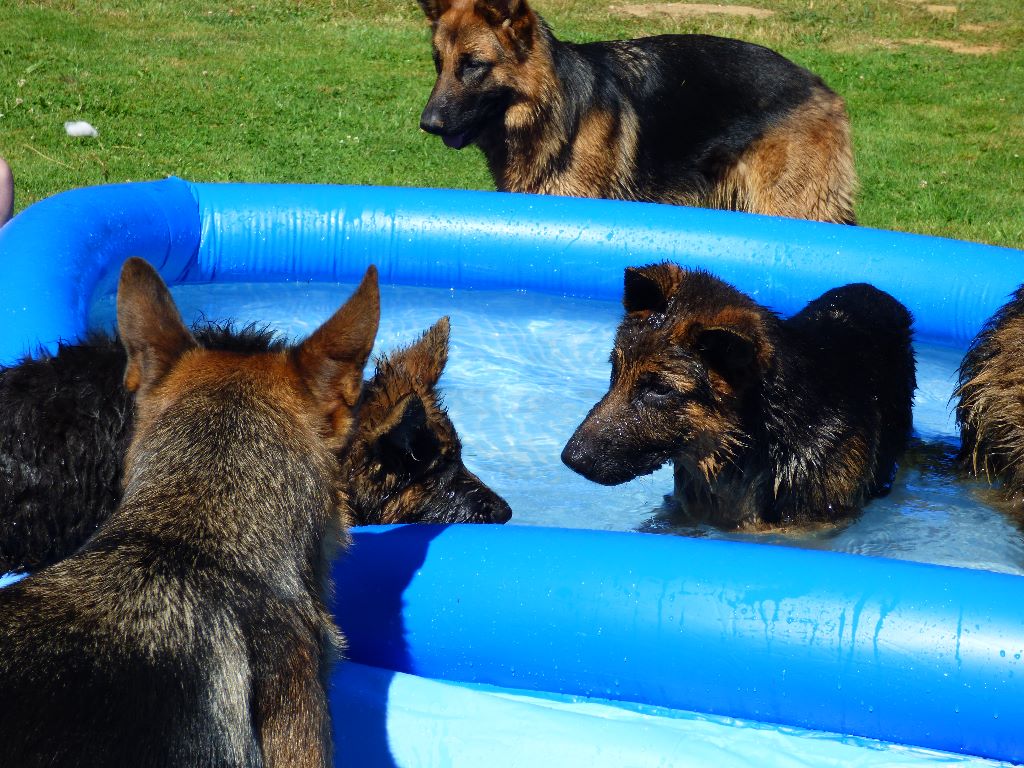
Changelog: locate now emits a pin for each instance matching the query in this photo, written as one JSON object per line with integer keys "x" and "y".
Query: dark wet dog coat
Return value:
{"x": 766, "y": 421}
{"x": 192, "y": 629}
{"x": 990, "y": 400}
{"x": 66, "y": 420}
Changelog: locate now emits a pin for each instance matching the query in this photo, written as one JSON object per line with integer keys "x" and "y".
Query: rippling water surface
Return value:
{"x": 525, "y": 368}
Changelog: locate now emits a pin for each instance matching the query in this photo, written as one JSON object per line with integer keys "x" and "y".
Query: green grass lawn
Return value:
{"x": 331, "y": 91}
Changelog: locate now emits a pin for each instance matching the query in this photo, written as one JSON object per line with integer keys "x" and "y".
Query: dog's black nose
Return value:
{"x": 501, "y": 512}
{"x": 431, "y": 121}
{"x": 577, "y": 457}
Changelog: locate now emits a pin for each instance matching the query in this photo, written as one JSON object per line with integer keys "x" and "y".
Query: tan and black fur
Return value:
{"x": 990, "y": 401}
{"x": 65, "y": 421}
{"x": 405, "y": 463}
{"x": 683, "y": 119}
{"x": 766, "y": 421}
{"x": 191, "y": 630}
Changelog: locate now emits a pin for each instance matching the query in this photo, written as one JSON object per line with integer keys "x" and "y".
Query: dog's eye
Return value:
{"x": 475, "y": 68}
{"x": 654, "y": 390}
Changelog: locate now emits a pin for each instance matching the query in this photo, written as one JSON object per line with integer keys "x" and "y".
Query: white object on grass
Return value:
{"x": 80, "y": 128}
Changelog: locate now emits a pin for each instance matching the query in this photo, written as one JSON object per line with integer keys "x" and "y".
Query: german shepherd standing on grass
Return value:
{"x": 682, "y": 119}
{"x": 191, "y": 630}
{"x": 767, "y": 421}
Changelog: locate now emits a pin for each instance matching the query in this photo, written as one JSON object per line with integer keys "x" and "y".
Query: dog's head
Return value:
{"x": 482, "y": 56}
{"x": 687, "y": 354}
{"x": 254, "y": 431}
{"x": 405, "y": 463}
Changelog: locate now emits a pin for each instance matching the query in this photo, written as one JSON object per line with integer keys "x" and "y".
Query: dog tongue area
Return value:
{"x": 456, "y": 140}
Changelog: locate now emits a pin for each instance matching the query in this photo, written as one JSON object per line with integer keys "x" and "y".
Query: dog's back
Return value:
{"x": 728, "y": 124}
{"x": 191, "y": 630}
{"x": 989, "y": 407}
{"x": 857, "y": 339}
{"x": 66, "y": 420}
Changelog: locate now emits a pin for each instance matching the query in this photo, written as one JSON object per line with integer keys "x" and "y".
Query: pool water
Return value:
{"x": 525, "y": 368}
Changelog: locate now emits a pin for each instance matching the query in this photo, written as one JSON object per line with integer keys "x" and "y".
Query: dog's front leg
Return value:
{"x": 293, "y": 721}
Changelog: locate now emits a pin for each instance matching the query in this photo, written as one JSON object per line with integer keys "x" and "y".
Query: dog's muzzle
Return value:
{"x": 432, "y": 122}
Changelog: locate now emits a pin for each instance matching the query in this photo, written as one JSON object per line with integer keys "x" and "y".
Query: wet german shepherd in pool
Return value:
{"x": 192, "y": 630}
{"x": 683, "y": 119}
{"x": 990, "y": 401}
{"x": 65, "y": 422}
{"x": 766, "y": 421}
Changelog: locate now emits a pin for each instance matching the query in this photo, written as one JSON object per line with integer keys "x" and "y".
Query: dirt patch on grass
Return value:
{"x": 934, "y": 8}
{"x": 954, "y": 46}
{"x": 688, "y": 10}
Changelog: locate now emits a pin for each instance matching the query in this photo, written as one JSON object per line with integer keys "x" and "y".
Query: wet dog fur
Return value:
{"x": 406, "y": 463}
{"x": 67, "y": 419}
{"x": 767, "y": 422}
{"x": 191, "y": 629}
{"x": 990, "y": 401}
{"x": 683, "y": 119}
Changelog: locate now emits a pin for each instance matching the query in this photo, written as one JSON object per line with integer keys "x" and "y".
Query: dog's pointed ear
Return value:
{"x": 331, "y": 360}
{"x": 729, "y": 352}
{"x": 648, "y": 289}
{"x": 512, "y": 18}
{"x": 404, "y": 443}
{"x": 149, "y": 325}
{"x": 434, "y": 9}
{"x": 425, "y": 359}
{"x": 498, "y": 12}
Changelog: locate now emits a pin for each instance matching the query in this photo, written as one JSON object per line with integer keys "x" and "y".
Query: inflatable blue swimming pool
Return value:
{"x": 531, "y": 646}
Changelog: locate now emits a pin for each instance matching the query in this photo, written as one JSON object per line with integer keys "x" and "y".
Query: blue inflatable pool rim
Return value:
{"x": 460, "y": 239}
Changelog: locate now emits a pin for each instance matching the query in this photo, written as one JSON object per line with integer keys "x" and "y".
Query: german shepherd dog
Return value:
{"x": 767, "y": 421}
{"x": 191, "y": 630}
{"x": 682, "y": 119}
{"x": 65, "y": 421}
{"x": 405, "y": 464}
{"x": 990, "y": 401}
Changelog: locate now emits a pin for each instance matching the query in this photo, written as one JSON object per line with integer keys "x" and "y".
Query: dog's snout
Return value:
{"x": 487, "y": 506}
{"x": 431, "y": 120}
{"x": 501, "y": 512}
{"x": 576, "y": 455}
{"x": 593, "y": 455}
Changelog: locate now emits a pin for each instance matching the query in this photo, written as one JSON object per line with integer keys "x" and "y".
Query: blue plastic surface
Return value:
{"x": 903, "y": 652}
{"x": 454, "y": 238}
{"x": 915, "y": 654}
{"x": 384, "y": 719}
{"x": 579, "y": 247}
{"x": 53, "y": 255}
